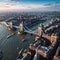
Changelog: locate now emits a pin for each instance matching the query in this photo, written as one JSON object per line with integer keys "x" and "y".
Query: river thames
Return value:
{"x": 11, "y": 46}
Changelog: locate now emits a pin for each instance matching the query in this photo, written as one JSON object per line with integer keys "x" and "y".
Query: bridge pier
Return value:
{"x": 21, "y": 27}
{"x": 40, "y": 31}
{"x": 11, "y": 25}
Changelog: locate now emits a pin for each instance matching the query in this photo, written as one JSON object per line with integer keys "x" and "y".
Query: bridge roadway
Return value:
{"x": 9, "y": 19}
{"x": 26, "y": 29}
{"x": 30, "y": 31}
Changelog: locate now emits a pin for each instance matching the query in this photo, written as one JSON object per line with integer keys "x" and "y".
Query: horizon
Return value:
{"x": 29, "y": 5}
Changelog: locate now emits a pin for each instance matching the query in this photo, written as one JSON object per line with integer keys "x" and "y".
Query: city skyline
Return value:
{"x": 30, "y": 5}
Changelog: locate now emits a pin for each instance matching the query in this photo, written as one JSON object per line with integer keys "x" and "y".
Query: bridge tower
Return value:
{"x": 40, "y": 31}
{"x": 11, "y": 25}
{"x": 53, "y": 38}
{"x": 21, "y": 27}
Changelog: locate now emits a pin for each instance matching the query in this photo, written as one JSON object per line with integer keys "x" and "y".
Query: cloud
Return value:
{"x": 17, "y": 5}
{"x": 30, "y": 8}
{"x": 52, "y": 4}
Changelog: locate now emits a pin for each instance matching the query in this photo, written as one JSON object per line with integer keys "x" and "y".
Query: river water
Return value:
{"x": 9, "y": 46}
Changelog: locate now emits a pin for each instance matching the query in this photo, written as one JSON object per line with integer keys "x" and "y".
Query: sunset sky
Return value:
{"x": 29, "y": 5}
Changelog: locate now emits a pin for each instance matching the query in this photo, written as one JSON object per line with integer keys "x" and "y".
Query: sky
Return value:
{"x": 29, "y": 5}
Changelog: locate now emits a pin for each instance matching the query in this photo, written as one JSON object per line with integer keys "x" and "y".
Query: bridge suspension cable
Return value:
{"x": 32, "y": 32}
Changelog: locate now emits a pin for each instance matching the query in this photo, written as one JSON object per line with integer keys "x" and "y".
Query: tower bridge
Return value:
{"x": 22, "y": 27}
{"x": 40, "y": 31}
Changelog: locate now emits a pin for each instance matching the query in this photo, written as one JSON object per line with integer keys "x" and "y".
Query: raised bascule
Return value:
{"x": 21, "y": 27}
{"x": 11, "y": 25}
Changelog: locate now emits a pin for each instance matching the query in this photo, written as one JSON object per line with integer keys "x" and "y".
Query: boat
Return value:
{"x": 10, "y": 35}
{"x": 24, "y": 40}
